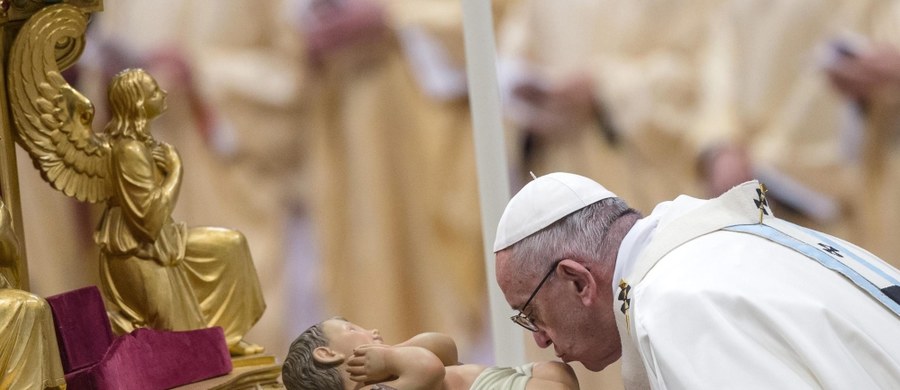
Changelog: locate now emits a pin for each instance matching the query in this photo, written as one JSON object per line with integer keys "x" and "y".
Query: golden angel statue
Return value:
{"x": 154, "y": 271}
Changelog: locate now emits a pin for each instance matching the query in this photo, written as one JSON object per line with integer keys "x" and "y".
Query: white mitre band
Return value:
{"x": 544, "y": 201}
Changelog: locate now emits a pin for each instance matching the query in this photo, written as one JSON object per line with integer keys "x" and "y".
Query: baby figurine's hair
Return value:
{"x": 301, "y": 371}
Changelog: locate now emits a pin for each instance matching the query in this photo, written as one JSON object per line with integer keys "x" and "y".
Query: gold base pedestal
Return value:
{"x": 254, "y": 372}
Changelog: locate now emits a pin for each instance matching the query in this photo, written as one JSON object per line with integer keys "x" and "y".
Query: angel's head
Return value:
{"x": 134, "y": 98}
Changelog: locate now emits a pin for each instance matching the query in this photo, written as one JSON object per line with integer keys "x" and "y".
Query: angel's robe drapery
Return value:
{"x": 156, "y": 272}
{"x": 29, "y": 355}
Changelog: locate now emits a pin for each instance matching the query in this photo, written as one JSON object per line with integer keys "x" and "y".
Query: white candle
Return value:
{"x": 490, "y": 152}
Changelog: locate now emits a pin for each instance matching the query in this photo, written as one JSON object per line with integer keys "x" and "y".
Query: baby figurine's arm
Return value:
{"x": 439, "y": 344}
{"x": 413, "y": 368}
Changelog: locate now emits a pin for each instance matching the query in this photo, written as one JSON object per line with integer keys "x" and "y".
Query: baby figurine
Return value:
{"x": 339, "y": 355}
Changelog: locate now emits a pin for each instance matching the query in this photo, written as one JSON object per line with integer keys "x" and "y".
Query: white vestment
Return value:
{"x": 723, "y": 309}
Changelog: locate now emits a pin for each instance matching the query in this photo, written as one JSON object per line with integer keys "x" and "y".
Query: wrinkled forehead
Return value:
{"x": 503, "y": 264}
{"x": 515, "y": 281}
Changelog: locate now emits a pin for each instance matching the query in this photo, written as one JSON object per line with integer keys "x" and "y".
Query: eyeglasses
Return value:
{"x": 525, "y": 320}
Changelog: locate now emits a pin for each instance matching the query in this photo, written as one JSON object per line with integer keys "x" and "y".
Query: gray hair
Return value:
{"x": 301, "y": 371}
{"x": 578, "y": 236}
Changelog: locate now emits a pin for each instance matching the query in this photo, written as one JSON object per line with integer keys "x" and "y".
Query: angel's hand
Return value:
{"x": 160, "y": 160}
{"x": 170, "y": 153}
{"x": 166, "y": 158}
{"x": 369, "y": 364}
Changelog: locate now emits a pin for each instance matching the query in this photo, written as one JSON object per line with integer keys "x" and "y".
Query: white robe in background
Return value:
{"x": 730, "y": 310}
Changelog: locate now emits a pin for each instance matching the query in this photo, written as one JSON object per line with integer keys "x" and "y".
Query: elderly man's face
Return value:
{"x": 577, "y": 320}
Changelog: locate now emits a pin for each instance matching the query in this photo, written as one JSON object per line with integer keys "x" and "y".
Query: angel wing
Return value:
{"x": 53, "y": 120}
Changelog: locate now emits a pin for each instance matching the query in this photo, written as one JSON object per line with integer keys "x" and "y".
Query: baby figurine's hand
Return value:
{"x": 368, "y": 364}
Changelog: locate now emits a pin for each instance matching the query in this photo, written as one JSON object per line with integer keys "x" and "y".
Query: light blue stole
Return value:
{"x": 866, "y": 271}
{"x": 745, "y": 209}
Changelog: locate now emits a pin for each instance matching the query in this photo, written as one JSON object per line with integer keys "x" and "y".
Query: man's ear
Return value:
{"x": 581, "y": 278}
{"x": 327, "y": 356}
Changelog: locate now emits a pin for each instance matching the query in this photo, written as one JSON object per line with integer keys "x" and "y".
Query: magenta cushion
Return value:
{"x": 82, "y": 327}
{"x": 153, "y": 359}
{"x": 143, "y": 359}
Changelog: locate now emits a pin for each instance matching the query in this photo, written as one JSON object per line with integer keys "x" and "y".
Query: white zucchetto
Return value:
{"x": 544, "y": 201}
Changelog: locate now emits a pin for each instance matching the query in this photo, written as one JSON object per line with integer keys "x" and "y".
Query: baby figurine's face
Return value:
{"x": 344, "y": 337}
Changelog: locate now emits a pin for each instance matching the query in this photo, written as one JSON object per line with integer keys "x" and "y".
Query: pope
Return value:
{"x": 698, "y": 294}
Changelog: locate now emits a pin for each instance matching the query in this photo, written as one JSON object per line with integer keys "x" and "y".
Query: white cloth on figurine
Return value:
{"x": 503, "y": 378}
{"x": 733, "y": 310}
{"x": 543, "y": 201}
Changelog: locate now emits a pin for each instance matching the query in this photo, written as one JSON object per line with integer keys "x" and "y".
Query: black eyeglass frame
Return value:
{"x": 524, "y": 320}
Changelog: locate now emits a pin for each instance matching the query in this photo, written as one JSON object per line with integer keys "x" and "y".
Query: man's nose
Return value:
{"x": 541, "y": 339}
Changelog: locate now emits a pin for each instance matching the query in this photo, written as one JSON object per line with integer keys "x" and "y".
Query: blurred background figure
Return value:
{"x": 867, "y": 75}
{"x": 396, "y": 201}
{"x": 770, "y": 111}
{"x": 247, "y": 62}
{"x": 606, "y": 89}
